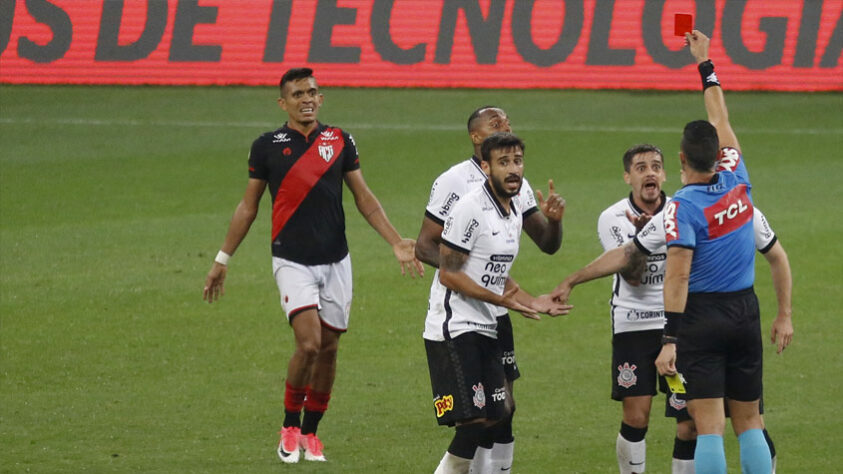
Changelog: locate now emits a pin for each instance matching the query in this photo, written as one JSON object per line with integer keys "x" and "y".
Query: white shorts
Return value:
{"x": 326, "y": 288}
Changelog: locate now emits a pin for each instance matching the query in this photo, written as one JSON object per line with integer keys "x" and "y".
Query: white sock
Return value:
{"x": 774, "y": 464}
{"x": 481, "y": 463}
{"x": 502, "y": 456}
{"x": 682, "y": 466}
{"x": 631, "y": 456}
{"x": 451, "y": 464}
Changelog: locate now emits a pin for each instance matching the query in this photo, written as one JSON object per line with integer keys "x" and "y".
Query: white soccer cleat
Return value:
{"x": 312, "y": 447}
{"x": 288, "y": 446}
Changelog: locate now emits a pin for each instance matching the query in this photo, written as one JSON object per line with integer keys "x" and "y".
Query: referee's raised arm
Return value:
{"x": 715, "y": 103}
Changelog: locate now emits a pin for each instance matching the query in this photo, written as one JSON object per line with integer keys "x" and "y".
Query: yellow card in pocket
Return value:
{"x": 676, "y": 383}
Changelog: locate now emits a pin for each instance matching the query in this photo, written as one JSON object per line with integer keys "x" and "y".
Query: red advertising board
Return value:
{"x": 783, "y": 45}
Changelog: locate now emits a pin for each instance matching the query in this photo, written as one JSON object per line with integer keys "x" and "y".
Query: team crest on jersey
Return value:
{"x": 626, "y": 375}
{"x": 280, "y": 137}
{"x": 676, "y": 402}
{"x": 479, "y": 395}
{"x": 443, "y": 405}
{"x": 326, "y": 152}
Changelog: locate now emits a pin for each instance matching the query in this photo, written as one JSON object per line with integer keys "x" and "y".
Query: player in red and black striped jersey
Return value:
{"x": 304, "y": 164}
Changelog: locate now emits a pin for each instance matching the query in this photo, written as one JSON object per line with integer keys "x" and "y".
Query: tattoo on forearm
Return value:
{"x": 637, "y": 263}
{"x": 452, "y": 261}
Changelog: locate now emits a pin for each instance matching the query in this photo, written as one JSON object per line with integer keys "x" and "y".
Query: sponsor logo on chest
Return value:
{"x": 729, "y": 213}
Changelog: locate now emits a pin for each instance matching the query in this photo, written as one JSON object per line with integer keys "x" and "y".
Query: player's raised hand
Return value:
{"x": 638, "y": 221}
{"x": 405, "y": 252}
{"x": 782, "y": 332}
{"x": 698, "y": 43}
{"x": 214, "y": 283}
{"x": 554, "y": 207}
{"x": 546, "y": 304}
{"x": 508, "y": 300}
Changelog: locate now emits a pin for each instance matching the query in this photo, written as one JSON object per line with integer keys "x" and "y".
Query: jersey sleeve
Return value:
{"x": 679, "y": 224}
{"x": 257, "y": 160}
{"x": 444, "y": 195}
{"x": 652, "y": 236}
{"x": 732, "y": 160}
{"x": 351, "y": 158}
{"x": 462, "y": 228}
{"x": 528, "y": 199}
{"x": 608, "y": 231}
{"x": 765, "y": 238}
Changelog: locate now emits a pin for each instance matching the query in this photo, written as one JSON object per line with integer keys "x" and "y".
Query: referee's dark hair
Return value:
{"x": 294, "y": 74}
{"x": 476, "y": 114}
{"x": 499, "y": 141}
{"x": 700, "y": 145}
{"x": 637, "y": 149}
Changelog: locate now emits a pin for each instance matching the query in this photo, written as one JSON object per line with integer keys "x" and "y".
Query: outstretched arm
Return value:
{"x": 621, "y": 260}
{"x": 370, "y": 208}
{"x": 781, "y": 333}
{"x": 715, "y": 102}
{"x": 545, "y": 229}
{"x": 241, "y": 222}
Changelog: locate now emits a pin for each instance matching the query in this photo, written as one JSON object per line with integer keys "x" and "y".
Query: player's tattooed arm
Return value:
{"x": 450, "y": 260}
{"x": 636, "y": 263}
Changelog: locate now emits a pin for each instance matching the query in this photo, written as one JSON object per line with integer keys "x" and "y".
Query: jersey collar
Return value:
{"x": 476, "y": 162}
{"x": 641, "y": 211}
{"x": 320, "y": 127}
{"x": 487, "y": 188}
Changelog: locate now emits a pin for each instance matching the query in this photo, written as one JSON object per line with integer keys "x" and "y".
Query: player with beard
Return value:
{"x": 636, "y": 303}
{"x": 544, "y": 228}
{"x": 480, "y": 242}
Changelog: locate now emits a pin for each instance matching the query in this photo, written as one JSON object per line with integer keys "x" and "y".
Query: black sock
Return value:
{"x": 292, "y": 418}
{"x": 487, "y": 439}
{"x": 503, "y": 430}
{"x": 684, "y": 449}
{"x": 770, "y": 443}
{"x": 311, "y": 421}
{"x": 633, "y": 435}
{"x": 466, "y": 439}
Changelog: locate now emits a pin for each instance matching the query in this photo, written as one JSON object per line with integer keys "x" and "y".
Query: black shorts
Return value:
{"x": 720, "y": 350}
{"x": 675, "y": 407}
{"x": 467, "y": 378}
{"x": 634, "y": 371}
{"x": 507, "y": 343}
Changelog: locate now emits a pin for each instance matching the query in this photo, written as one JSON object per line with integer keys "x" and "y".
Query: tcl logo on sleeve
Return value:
{"x": 729, "y": 213}
{"x": 729, "y": 159}
{"x": 671, "y": 232}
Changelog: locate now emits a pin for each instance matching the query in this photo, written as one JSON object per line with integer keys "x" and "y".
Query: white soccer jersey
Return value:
{"x": 634, "y": 308}
{"x": 652, "y": 236}
{"x": 480, "y": 227}
{"x": 458, "y": 180}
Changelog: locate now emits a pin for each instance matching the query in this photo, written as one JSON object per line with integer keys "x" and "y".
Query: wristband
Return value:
{"x": 222, "y": 258}
{"x": 669, "y": 340}
{"x": 671, "y": 325}
{"x": 707, "y": 74}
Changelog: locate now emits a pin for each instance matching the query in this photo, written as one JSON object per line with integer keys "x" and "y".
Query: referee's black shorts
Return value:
{"x": 720, "y": 350}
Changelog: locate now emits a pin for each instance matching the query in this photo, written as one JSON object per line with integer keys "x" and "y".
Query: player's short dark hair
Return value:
{"x": 476, "y": 114}
{"x": 499, "y": 141}
{"x": 700, "y": 145}
{"x": 637, "y": 149}
{"x": 294, "y": 74}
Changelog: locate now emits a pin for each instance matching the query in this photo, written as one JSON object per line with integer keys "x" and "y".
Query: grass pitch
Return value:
{"x": 114, "y": 200}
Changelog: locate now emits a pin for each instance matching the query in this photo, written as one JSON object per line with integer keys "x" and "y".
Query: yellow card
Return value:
{"x": 676, "y": 383}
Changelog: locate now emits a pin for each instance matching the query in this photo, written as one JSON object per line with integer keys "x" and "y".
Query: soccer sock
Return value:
{"x": 481, "y": 462}
{"x": 314, "y": 407}
{"x": 466, "y": 439}
{"x": 772, "y": 448}
{"x": 631, "y": 449}
{"x": 451, "y": 464}
{"x": 683, "y": 456}
{"x": 755, "y": 453}
{"x": 293, "y": 403}
{"x": 709, "y": 457}
{"x": 504, "y": 446}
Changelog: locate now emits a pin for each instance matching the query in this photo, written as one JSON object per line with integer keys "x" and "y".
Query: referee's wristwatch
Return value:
{"x": 669, "y": 340}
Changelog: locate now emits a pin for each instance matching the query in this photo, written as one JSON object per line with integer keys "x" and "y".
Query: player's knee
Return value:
{"x": 686, "y": 430}
{"x": 308, "y": 348}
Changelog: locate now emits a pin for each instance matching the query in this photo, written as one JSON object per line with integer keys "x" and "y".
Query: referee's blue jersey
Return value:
{"x": 715, "y": 220}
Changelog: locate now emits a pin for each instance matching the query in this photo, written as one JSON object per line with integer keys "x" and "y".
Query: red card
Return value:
{"x": 683, "y": 23}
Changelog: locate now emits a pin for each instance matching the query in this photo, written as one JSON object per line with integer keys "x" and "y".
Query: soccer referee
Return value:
{"x": 712, "y": 334}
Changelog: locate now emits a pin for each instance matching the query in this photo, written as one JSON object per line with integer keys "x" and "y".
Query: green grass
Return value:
{"x": 114, "y": 200}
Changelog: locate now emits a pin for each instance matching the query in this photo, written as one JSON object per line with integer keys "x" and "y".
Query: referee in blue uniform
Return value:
{"x": 712, "y": 334}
